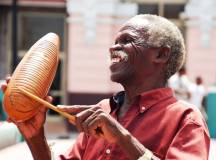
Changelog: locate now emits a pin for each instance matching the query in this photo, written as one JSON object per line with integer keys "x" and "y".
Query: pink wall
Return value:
{"x": 200, "y": 60}
{"x": 88, "y": 63}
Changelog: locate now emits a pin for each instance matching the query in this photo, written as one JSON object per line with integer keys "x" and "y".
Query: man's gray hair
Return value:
{"x": 161, "y": 32}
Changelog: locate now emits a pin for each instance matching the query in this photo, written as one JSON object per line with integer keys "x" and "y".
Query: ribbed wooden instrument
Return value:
{"x": 34, "y": 74}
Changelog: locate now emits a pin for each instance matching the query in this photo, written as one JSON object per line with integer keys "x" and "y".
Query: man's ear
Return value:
{"x": 163, "y": 54}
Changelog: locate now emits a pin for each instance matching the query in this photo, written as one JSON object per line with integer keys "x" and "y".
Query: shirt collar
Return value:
{"x": 147, "y": 99}
{"x": 150, "y": 98}
{"x": 117, "y": 100}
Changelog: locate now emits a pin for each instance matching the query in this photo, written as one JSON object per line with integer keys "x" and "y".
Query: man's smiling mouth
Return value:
{"x": 118, "y": 56}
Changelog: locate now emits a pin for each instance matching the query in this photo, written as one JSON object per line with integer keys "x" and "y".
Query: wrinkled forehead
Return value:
{"x": 135, "y": 23}
{"x": 135, "y": 27}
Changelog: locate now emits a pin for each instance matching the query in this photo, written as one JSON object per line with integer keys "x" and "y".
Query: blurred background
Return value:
{"x": 87, "y": 29}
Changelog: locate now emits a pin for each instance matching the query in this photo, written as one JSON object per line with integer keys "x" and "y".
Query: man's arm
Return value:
{"x": 33, "y": 131}
{"x": 134, "y": 149}
{"x": 39, "y": 147}
{"x": 191, "y": 142}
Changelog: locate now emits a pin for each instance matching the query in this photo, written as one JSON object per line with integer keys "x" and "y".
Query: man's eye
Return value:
{"x": 128, "y": 40}
{"x": 124, "y": 40}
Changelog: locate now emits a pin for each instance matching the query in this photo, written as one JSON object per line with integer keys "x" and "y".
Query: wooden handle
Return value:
{"x": 47, "y": 104}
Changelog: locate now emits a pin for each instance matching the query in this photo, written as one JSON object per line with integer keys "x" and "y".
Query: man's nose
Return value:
{"x": 115, "y": 47}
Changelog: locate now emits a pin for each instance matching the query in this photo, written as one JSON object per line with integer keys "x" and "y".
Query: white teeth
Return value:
{"x": 115, "y": 60}
{"x": 118, "y": 56}
{"x": 123, "y": 55}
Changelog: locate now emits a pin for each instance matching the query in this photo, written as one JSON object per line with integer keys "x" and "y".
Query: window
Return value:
{"x": 34, "y": 26}
{"x": 148, "y": 9}
{"x": 4, "y": 29}
{"x": 173, "y": 10}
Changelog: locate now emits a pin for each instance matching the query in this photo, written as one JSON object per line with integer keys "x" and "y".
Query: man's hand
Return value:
{"x": 93, "y": 120}
{"x": 31, "y": 127}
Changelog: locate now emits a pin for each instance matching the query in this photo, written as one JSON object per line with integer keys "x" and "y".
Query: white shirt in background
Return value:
{"x": 181, "y": 86}
{"x": 197, "y": 94}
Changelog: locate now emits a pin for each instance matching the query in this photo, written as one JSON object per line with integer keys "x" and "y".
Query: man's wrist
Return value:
{"x": 39, "y": 146}
{"x": 134, "y": 149}
{"x": 124, "y": 137}
{"x": 131, "y": 146}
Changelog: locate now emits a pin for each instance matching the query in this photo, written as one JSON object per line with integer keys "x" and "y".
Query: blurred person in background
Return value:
{"x": 9, "y": 134}
{"x": 180, "y": 83}
{"x": 198, "y": 93}
{"x": 145, "y": 121}
{"x": 2, "y": 113}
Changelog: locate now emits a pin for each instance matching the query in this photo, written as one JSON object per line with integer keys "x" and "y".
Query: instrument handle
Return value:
{"x": 47, "y": 104}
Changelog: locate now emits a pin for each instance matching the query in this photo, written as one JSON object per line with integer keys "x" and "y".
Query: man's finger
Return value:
{"x": 95, "y": 128}
{"x": 3, "y": 87}
{"x": 82, "y": 116}
{"x": 8, "y": 78}
{"x": 87, "y": 122}
{"x": 49, "y": 99}
{"x": 73, "y": 109}
{"x": 9, "y": 120}
{"x": 43, "y": 109}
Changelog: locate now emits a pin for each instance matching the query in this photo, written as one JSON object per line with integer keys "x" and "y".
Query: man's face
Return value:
{"x": 130, "y": 59}
{"x": 199, "y": 80}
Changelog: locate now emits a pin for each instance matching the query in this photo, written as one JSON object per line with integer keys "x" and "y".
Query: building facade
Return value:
{"x": 87, "y": 29}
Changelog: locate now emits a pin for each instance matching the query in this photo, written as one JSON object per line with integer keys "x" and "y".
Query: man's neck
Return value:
{"x": 127, "y": 104}
{"x": 135, "y": 89}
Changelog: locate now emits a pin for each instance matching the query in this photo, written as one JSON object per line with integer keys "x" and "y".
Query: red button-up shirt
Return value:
{"x": 171, "y": 129}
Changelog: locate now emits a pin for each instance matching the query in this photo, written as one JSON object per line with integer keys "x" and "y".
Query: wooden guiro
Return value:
{"x": 34, "y": 74}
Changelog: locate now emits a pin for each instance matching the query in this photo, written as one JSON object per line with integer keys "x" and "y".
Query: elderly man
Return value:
{"x": 143, "y": 122}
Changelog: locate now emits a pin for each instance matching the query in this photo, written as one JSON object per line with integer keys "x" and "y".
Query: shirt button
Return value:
{"x": 142, "y": 109}
{"x": 108, "y": 151}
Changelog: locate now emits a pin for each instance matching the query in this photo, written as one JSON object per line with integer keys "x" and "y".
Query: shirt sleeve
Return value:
{"x": 191, "y": 142}
{"x": 77, "y": 151}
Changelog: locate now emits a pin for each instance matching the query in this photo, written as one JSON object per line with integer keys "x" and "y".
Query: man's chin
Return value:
{"x": 117, "y": 78}
{"x": 114, "y": 78}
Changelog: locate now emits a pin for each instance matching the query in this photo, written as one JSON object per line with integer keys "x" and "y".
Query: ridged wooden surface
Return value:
{"x": 35, "y": 74}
